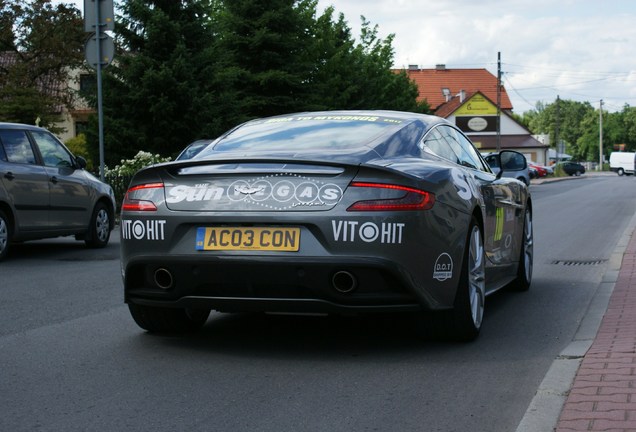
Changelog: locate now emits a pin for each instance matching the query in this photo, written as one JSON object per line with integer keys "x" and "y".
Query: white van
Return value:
{"x": 622, "y": 162}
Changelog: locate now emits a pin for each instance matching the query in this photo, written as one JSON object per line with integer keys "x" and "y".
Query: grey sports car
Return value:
{"x": 327, "y": 212}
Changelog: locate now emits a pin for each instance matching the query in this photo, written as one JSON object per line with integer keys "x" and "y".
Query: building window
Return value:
{"x": 88, "y": 83}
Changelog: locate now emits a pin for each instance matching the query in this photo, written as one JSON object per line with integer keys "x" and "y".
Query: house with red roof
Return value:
{"x": 467, "y": 98}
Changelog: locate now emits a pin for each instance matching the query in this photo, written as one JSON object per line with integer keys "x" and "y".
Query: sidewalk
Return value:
{"x": 603, "y": 394}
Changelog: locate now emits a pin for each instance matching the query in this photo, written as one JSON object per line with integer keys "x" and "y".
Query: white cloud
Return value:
{"x": 578, "y": 49}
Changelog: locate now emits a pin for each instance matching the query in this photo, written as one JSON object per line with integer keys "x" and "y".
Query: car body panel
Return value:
{"x": 184, "y": 215}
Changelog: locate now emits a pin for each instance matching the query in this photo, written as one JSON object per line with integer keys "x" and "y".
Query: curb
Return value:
{"x": 545, "y": 408}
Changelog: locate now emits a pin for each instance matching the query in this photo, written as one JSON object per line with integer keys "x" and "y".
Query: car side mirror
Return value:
{"x": 512, "y": 161}
{"x": 81, "y": 162}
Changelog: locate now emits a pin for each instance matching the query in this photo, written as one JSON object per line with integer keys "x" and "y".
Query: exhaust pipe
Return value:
{"x": 344, "y": 282}
{"x": 163, "y": 278}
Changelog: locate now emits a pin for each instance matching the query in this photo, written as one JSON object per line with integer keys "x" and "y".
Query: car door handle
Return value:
{"x": 53, "y": 180}
{"x": 9, "y": 176}
{"x": 510, "y": 203}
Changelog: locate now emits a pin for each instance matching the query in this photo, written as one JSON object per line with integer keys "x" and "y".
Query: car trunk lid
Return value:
{"x": 255, "y": 186}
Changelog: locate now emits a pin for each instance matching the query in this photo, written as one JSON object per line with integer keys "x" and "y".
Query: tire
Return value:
{"x": 5, "y": 235}
{"x": 526, "y": 256}
{"x": 620, "y": 172}
{"x": 168, "y": 320}
{"x": 577, "y": 173}
{"x": 470, "y": 299}
{"x": 99, "y": 228}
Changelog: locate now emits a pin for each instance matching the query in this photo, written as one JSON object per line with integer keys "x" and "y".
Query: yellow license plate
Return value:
{"x": 252, "y": 238}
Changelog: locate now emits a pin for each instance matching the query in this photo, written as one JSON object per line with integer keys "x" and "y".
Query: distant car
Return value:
{"x": 193, "y": 149}
{"x": 572, "y": 168}
{"x": 541, "y": 170}
{"x": 522, "y": 173}
{"x": 327, "y": 212}
{"x": 45, "y": 191}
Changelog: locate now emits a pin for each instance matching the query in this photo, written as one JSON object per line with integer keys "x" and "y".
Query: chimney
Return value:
{"x": 462, "y": 95}
{"x": 440, "y": 67}
{"x": 414, "y": 67}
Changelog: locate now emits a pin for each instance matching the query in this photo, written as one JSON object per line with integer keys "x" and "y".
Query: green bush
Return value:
{"x": 77, "y": 145}
{"x": 558, "y": 171}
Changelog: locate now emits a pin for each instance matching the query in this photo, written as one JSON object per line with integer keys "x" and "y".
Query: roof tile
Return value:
{"x": 431, "y": 83}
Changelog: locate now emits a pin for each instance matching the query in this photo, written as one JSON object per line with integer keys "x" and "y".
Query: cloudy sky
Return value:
{"x": 582, "y": 50}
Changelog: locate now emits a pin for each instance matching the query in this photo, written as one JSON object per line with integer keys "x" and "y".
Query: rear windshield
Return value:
{"x": 305, "y": 132}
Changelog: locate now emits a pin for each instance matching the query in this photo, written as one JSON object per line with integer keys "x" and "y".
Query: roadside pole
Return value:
{"x": 99, "y": 51}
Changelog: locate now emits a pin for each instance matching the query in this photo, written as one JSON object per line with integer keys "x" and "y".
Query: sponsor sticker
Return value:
{"x": 274, "y": 192}
{"x": 443, "y": 269}
{"x": 367, "y": 232}
{"x": 143, "y": 229}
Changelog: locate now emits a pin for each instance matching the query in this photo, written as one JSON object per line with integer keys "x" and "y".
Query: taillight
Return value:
{"x": 142, "y": 197}
{"x": 413, "y": 199}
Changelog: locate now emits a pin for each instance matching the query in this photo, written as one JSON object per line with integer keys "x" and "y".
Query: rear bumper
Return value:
{"x": 236, "y": 284}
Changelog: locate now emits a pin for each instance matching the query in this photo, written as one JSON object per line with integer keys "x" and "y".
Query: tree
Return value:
{"x": 357, "y": 76}
{"x": 192, "y": 70}
{"x": 40, "y": 44}
{"x": 163, "y": 90}
{"x": 572, "y": 119}
{"x": 270, "y": 50}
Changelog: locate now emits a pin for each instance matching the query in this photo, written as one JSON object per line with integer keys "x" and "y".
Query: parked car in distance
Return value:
{"x": 572, "y": 168}
{"x": 46, "y": 192}
{"x": 522, "y": 173}
{"x": 623, "y": 163}
{"x": 541, "y": 170}
{"x": 193, "y": 149}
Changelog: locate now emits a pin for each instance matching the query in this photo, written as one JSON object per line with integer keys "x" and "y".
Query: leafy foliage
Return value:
{"x": 39, "y": 45}
{"x": 187, "y": 70}
{"x": 192, "y": 70}
{"x": 119, "y": 177}
{"x": 77, "y": 146}
{"x": 579, "y": 127}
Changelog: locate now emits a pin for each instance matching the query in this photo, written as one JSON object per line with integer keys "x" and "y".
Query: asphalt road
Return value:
{"x": 72, "y": 359}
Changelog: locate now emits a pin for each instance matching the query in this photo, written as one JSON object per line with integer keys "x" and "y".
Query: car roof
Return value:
{"x": 4, "y": 125}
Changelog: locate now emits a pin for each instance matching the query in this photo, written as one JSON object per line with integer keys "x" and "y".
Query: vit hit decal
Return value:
{"x": 368, "y": 232}
{"x": 143, "y": 230}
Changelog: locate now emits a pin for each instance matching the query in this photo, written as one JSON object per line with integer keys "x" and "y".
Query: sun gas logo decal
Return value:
{"x": 272, "y": 192}
{"x": 443, "y": 269}
{"x": 368, "y": 232}
{"x": 143, "y": 230}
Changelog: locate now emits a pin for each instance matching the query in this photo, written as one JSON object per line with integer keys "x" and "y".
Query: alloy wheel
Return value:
{"x": 476, "y": 277}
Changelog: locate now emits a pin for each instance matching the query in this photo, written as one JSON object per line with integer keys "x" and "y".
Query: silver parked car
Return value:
{"x": 45, "y": 191}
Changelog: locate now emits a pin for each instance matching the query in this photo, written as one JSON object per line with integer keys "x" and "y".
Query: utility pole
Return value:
{"x": 557, "y": 147}
{"x": 600, "y": 138}
{"x": 498, "y": 101}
